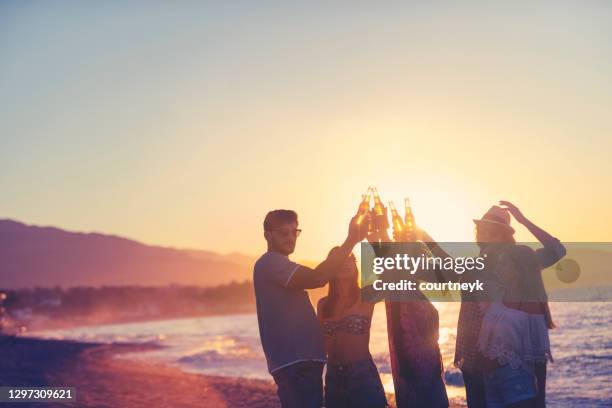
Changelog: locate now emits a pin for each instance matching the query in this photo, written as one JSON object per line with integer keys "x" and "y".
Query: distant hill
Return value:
{"x": 46, "y": 256}
{"x": 33, "y": 256}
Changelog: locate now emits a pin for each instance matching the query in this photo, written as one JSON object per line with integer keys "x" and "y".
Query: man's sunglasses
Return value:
{"x": 286, "y": 232}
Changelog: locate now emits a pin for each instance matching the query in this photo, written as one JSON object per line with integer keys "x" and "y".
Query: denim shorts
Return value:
{"x": 506, "y": 385}
{"x": 354, "y": 385}
{"x": 300, "y": 385}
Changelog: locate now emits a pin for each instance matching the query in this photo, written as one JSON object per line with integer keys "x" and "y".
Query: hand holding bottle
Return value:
{"x": 358, "y": 228}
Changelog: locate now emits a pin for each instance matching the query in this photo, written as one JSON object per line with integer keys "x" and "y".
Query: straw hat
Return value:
{"x": 496, "y": 216}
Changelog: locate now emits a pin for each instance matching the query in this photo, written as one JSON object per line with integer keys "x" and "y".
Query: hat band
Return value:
{"x": 492, "y": 217}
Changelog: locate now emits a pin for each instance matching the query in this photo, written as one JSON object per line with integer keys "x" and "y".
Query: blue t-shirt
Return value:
{"x": 288, "y": 325}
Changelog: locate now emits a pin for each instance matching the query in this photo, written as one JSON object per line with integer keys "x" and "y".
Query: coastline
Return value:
{"x": 44, "y": 324}
{"x": 102, "y": 381}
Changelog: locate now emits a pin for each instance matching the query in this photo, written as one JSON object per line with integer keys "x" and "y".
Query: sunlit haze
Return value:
{"x": 182, "y": 125}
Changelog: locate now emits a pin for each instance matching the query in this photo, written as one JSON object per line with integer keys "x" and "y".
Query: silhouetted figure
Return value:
{"x": 413, "y": 327}
{"x": 290, "y": 333}
{"x": 487, "y": 377}
{"x": 352, "y": 379}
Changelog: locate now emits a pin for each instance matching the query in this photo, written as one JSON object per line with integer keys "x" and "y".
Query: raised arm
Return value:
{"x": 432, "y": 244}
{"x": 308, "y": 278}
{"x": 553, "y": 249}
{"x": 438, "y": 275}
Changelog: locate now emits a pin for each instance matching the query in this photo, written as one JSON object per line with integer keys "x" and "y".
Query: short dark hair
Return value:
{"x": 276, "y": 218}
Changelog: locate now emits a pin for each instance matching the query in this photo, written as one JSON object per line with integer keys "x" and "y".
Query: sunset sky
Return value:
{"x": 182, "y": 124}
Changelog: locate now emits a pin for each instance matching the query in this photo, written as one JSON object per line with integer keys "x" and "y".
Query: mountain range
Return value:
{"x": 47, "y": 256}
{"x": 33, "y": 256}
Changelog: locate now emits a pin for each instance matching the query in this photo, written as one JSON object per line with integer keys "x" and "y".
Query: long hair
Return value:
{"x": 333, "y": 294}
{"x": 507, "y": 236}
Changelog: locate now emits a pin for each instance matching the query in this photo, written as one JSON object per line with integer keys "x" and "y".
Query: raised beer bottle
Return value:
{"x": 409, "y": 224}
{"x": 364, "y": 206}
{"x": 378, "y": 206}
{"x": 398, "y": 224}
{"x": 381, "y": 223}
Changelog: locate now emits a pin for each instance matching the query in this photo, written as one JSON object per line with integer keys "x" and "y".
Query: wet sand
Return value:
{"x": 103, "y": 381}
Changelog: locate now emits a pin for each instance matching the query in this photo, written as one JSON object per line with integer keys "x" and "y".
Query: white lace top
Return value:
{"x": 514, "y": 337}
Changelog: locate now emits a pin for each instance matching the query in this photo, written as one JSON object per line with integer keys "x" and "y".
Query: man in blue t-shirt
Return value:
{"x": 291, "y": 337}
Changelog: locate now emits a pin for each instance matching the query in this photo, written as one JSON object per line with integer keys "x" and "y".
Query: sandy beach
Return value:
{"x": 102, "y": 381}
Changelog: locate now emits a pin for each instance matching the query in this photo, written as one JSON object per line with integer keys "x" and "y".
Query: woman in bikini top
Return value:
{"x": 351, "y": 379}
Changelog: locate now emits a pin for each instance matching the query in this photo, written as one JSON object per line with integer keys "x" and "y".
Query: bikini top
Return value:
{"x": 351, "y": 324}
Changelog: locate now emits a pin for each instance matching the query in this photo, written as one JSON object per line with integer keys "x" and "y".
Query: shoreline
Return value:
{"x": 77, "y": 323}
{"x": 101, "y": 380}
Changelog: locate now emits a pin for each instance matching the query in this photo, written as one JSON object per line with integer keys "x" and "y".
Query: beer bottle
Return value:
{"x": 364, "y": 206}
{"x": 379, "y": 214}
{"x": 398, "y": 224}
{"x": 378, "y": 207}
{"x": 409, "y": 223}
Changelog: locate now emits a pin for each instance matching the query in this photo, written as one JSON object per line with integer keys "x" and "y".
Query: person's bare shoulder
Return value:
{"x": 366, "y": 307}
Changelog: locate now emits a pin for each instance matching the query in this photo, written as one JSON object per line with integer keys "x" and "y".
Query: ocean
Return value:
{"x": 581, "y": 374}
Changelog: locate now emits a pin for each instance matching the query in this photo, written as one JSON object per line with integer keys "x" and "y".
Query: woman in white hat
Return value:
{"x": 476, "y": 354}
{"x": 513, "y": 337}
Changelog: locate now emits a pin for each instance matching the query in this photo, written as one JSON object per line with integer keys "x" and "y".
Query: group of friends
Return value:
{"x": 502, "y": 345}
